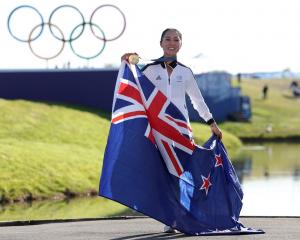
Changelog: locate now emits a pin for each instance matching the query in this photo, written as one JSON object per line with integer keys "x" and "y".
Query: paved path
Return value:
{"x": 142, "y": 228}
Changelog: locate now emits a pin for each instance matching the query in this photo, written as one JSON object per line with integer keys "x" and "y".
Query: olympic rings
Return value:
{"x": 78, "y": 29}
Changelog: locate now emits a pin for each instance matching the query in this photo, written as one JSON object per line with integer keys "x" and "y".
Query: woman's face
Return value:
{"x": 171, "y": 43}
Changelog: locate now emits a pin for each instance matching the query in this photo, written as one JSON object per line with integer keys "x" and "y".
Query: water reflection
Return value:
{"x": 270, "y": 177}
{"x": 94, "y": 207}
{"x": 269, "y": 173}
{"x": 243, "y": 167}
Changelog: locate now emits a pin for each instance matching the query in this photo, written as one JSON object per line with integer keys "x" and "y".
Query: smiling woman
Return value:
{"x": 176, "y": 80}
{"x": 171, "y": 41}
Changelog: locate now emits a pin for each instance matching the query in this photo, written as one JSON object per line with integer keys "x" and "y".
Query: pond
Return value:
{"x": 269, "y": 174}
{"x": 270, "y": 177}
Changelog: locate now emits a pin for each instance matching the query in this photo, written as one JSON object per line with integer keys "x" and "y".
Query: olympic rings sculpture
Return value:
{"x": 59, "y": 35}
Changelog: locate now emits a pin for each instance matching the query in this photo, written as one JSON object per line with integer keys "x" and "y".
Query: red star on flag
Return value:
{"x": 206, "y": 183}
{"x": 219, "y": 161}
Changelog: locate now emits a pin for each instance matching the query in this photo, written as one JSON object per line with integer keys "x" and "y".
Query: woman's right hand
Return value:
{"x": 216, "y": 130}
{"x": 125, "y": 57}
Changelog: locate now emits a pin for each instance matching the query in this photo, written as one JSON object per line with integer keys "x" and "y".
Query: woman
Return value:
{"x": 176, "y": 80}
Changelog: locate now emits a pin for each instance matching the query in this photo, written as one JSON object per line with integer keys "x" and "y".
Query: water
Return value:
{"x": 269, "y": 174}
{"x": 270, "y": 177}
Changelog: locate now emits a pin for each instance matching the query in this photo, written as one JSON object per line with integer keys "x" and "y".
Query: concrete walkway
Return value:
{"x": 140, "y": 228}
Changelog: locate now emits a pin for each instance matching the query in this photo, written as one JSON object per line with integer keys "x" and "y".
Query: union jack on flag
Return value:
{"x": 137, "y": 97}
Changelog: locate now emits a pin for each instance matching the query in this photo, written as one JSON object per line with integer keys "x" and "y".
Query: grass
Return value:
{"x": 276, "y": 117}
{"x": 49, "y": 150}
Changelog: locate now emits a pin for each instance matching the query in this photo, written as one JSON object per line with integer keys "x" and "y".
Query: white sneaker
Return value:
{"x": 168, "y": 229}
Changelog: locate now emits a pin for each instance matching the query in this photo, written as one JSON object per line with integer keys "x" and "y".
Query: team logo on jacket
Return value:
{"x": 158, "y": 77}
{"x": 179, "y": 78}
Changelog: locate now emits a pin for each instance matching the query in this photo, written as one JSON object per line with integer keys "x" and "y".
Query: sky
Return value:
{"x": 232, "y": 35}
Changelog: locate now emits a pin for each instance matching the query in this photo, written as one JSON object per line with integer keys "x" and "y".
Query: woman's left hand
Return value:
{"x": 216, "y": 130}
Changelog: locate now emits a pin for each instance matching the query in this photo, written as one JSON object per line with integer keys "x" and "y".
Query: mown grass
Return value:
{"x": 276, "y": 117}
{"x": 49, "y": 150}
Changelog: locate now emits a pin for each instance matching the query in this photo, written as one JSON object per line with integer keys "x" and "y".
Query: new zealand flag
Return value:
{"x": 153, "y": 166}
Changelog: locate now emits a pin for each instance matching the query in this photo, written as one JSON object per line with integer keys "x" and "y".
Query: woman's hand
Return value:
{"x": 125, "y": 57}
{"x": 216, "y": 130}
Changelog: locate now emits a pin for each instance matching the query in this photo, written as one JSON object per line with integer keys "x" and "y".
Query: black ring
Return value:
{"x": 46, "y": 58}
{"x": 123, "y": 16}
{"x": 83, "y": 21}
{"x": 18, "y": 8}
{"x": 97, "y": 54}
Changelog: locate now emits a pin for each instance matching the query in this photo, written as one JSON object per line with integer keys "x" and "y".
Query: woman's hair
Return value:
{"x": 170, "y": 29}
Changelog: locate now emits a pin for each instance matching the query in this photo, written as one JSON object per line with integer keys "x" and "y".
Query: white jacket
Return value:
{"x": 180, "y": 83}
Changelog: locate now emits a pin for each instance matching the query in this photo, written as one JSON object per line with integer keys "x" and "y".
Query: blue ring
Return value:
{"x": 9, "y": 28}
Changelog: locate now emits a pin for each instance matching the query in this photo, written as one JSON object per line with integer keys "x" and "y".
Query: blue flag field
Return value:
{"x": 152, "y": 165}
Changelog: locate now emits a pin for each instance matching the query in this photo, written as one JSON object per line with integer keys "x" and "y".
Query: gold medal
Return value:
{"x": 133, "y": 59}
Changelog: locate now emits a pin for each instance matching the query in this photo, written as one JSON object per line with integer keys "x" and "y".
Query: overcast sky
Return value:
{"x": 231, "y": 35}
